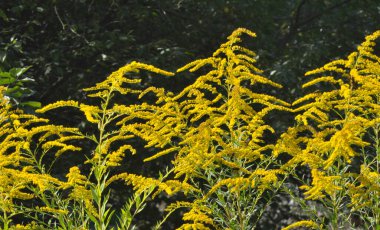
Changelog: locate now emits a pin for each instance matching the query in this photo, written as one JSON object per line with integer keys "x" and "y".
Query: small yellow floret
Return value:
{"x": 303, "y": 223}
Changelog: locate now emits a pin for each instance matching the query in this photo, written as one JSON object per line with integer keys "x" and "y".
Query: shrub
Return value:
{"x": 216, "y": 132}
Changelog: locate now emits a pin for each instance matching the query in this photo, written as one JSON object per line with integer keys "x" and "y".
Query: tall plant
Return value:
{"x": 215, "y": 132}
{"x": 337, "y": 139}
{"x": 82, "y": 200}
{"x": 215, "y": 128}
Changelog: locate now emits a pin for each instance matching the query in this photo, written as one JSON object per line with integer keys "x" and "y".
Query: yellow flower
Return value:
{"x": 115, "y": 158}
{"x": 75, "y": 178}
{"x": 140, "y": 183}
{"x": 91, "y": 112}
{"x": 198, "y": 216}
{"x": 321, "y": 184}
{"x": 233, "y": 184}
{"x": 31, "y": 226}
{"x": 303, "y": 223}
{"x": 116, "y": 79}
{"x": 162, "y": 153}
{"x": 345, "y": 91}
{"x": 57, "y": 104}
{"x": 341, "y": 141}
{"x": 193, "y": 226}
{"x": 365, "y": 193}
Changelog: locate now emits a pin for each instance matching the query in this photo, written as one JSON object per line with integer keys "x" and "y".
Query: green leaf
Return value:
{"x": 92, "y": 217}
{"x": 108, "y": 214}
{"x": 16, "y": 72}
{"x": 95, "y": 195}
{"x": 27, "y": 79}
{"x": 33, "y": 104}
{"x": 11, "y": 90}
{"x": 17, "y": 91}
{"x": 6, "y": 80}
{"x": 15, "y": 94}
{"x": 5, "y": 75}
{"x": 140, "y": 208}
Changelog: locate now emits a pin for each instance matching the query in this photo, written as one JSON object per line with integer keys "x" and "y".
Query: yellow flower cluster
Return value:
{"x": 203, "y": 102}
{"x": 303, "y": 223}
{"x": 24, "y": 140}
{"x": 91, "y": 112}
{"x": 333, "y": 129}
{"x": 58, "y": 104}
{"x": 141, "y": 183}
{"x": 198, "y": 216}
{"x": 22, "y": 136}
{"x": 214, "y": 129}
{"x": 321, "y": 184}
{"x": 212, "y": 124}
{"x": 31, "y": 226}
{"x": 110, "y": 150}
{"x": 115, "y": 157}
{"x": 79, "y": 185}
{"x": 118, "y": 81}
{"x": 366, "y": 189}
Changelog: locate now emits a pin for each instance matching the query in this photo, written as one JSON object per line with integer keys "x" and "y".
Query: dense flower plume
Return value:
{"x": 25, "y": 141}
{"x": 217, "y": 128}
{"x": 343, "y": 127}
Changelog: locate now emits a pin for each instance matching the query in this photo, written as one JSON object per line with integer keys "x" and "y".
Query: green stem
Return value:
{"x": 99, "y": 167}
{"x": 336, "y": 199}
{"x": 6, "y": 220}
